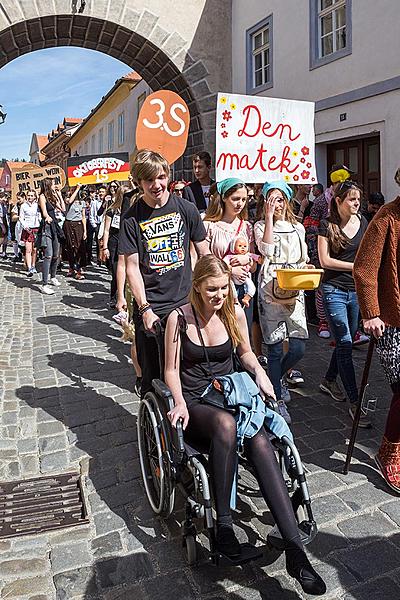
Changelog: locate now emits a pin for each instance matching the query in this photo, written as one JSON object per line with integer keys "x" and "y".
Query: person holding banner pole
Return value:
{"x": 50, "y": 234}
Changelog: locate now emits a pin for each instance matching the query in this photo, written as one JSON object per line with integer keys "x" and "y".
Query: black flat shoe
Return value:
{"x": 227, "y": 542}
{"x": 298, "y": 566}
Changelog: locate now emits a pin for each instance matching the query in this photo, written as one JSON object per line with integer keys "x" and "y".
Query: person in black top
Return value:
{"x": 199, "y": 341}
{"x": 155, "y": 238}
{"x": 198, "y": 191}
{"x": 375, "y": 201}
{"x": 338, "y": 240}
{"x": 110, "y": 240}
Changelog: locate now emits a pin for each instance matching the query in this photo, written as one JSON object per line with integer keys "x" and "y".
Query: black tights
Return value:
{"x": 213, "y": 431}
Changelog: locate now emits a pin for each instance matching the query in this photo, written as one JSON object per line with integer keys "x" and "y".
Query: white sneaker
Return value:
{"x": 54, "y": 281}
{"x": 46, "y": 289}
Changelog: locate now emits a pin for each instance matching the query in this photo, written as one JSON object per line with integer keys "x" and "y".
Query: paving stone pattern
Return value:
{"x": 67, "y": 403}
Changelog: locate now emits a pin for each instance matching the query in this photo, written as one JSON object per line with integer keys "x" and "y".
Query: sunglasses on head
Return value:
{"x": 346, "y": 185}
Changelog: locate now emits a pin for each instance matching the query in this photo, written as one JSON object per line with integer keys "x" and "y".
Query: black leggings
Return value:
{"x": 213, "y": 431}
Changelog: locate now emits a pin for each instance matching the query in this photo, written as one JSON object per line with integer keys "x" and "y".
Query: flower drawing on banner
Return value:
{"x": 227, "y": 115}
{"x": 233, "y": 106}
{"x": 223, "y": 100}
{"x": 223, "y": 125}
{"x": 303, "y": 160}
{"x": 287, "y": 178}
{"x": 308, "y": 165}
{"x": 305, "y": 150}
{"x": 305, "y": 174}
{"x": 295, "y": 177}
{"x": 224, "y": 134}
{"x": 312, "y": 178}
{"x": 295, "y": 153}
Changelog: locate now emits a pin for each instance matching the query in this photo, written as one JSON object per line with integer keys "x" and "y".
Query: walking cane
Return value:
{"x": 361, "y": 395}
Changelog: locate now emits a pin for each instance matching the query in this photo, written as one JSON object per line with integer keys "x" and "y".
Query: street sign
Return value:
{"x": 261, "y": 139}
{"x": 98, "y": 168}
{"x": 163, "y": 125}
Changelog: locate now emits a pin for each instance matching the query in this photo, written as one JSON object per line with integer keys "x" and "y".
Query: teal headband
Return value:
{"x": 277, "y": 185}
{"x": 226, "y": 184}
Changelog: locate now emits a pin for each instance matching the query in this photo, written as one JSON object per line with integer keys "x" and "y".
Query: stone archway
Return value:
{"x": 142, "y": 40}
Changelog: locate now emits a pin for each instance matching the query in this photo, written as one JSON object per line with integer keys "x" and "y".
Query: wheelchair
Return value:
{"x": 169, "y": 465}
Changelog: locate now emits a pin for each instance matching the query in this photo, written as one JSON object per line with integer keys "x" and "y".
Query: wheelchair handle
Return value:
{"x": 179, "y": 433}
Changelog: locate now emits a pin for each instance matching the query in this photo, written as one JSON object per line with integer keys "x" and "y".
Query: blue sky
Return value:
{"x": 39, "y": 89}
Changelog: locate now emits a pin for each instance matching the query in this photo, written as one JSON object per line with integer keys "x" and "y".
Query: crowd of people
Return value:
{"x": 201, "y": 258}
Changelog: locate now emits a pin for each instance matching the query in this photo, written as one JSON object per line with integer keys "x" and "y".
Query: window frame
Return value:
{"x": 93, "y": 144}
{"x": 251, "y": 88}
{"x": 121, "y": 128}
{"x": 101, "y": 140}
{"x": 110, "y": 128}
{"x": 315, "y": 38}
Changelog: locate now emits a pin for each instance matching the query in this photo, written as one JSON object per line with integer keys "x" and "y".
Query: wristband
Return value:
{"x": 143, "y": 308}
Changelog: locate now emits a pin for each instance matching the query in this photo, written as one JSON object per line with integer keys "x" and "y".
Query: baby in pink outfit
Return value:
{"x": 240, "y": 247}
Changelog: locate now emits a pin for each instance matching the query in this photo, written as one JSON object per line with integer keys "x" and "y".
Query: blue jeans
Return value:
{"x": 341, "y": 309}
{"x": 278, "y": 364}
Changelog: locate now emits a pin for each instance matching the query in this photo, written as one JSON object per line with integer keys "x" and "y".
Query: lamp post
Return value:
{"x": 2, "y": 115}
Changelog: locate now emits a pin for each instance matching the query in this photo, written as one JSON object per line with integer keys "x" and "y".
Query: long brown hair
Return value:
{"x": 118, "y": 198}
{"x": 46, "y": 190}
{"x": 289, "y": 214}
{"x": 211, "y": 266}
{"x": 337, "y": 240}
{"x": 216, "y": 206}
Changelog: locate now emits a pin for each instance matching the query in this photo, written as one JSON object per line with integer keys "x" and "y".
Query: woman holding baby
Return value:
{"x": 231, "y": 236}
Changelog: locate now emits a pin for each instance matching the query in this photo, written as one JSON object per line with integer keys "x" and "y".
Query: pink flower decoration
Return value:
{"x": 223, "y": 125}
{"x": 296, "y": 177}
{"x": 303, "y": 160}
{"x": 224, "y": 134}
{"x": 313, "y": 179}
{"x": 305, "y": 150}
{"x": 226, "y": 115}
{"x": 309, "y": 165}
{"x": 305, "y": 174}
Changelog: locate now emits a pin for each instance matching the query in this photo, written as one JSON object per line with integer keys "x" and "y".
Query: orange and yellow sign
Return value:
{"x": 95, "y": 169}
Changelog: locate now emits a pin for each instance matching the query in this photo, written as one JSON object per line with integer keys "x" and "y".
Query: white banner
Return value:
{"x": 263, "y": 139}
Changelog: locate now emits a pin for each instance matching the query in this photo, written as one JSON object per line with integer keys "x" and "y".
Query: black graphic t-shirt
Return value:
{"x": 161, "y": 237}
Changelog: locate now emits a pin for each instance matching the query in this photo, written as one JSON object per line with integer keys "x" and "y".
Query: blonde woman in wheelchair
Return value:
{"x": 201, "y": 337}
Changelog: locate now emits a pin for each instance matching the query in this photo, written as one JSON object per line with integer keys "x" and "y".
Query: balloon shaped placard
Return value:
{"x": 163, "y": 125}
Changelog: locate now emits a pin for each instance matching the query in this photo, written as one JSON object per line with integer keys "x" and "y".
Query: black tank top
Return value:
{"x": 194, "y": 370}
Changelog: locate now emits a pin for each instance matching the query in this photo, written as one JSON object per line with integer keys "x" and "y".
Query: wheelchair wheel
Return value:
{"x": 155, "y": 457}
{"x": 190, "y": 546}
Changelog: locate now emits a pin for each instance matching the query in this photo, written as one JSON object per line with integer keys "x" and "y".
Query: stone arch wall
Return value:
{"x": 141, "y": 39}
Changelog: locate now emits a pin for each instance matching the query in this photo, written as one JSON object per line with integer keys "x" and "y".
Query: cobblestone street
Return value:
{"x": 67, "y": 404}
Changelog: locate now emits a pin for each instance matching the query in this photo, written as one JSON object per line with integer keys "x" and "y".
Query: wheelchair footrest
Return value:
{"x": 307, "y": 530}
{"x": 248, "y": 554}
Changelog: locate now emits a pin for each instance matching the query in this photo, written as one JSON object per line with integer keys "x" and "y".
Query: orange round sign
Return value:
{"x": 163, "y": 125}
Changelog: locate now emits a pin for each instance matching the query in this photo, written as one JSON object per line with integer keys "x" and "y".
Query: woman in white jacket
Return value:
{"x": 280, "y": 238}
{"x": 30, "y": 217}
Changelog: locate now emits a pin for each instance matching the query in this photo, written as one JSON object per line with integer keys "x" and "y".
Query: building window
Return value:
{"x": 121, "y": 129}
{"x": 93, "y": 144}
{"x": 101, "y": 141}
{"x": 86, "y": 148}
{"x": 259, "y": 56}
{"x": 80, "y": 151}
{"x": 110, "y": 145}
{"x": 330, "y": 30}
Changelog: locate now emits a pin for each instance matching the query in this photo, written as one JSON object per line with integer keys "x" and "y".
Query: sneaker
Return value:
{"x": 323, "y": 330}
{"x": 364, "y": 422}
{"x": 283, "y": 411}
{"x": 285, "y": 394}
{"x": 138, "y": 386}
{"x": 360, "y": 339}
{"x": 46, "y": 289}
{"x": 390, "y": 473}
{"x": 70, "y": 273}
{"x": 29, "y": 273}
{"x": 34, "y": 270}
{"x": 79, "y": 275}
{"x": 227, "y": 542}
{"x": 294, "y": 377}
{"x": 333, "y": 389}
{"x": 54, "y": 281}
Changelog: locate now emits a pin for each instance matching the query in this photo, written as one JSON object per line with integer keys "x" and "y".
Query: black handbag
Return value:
{"x": 215, "y": 395}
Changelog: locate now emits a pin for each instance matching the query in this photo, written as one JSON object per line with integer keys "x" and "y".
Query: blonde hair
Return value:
{"x": 148, "y": 164}
{"x": 216, "y": 206}
{"x": 211, "y": 266}
{"x": 119, "y": 196}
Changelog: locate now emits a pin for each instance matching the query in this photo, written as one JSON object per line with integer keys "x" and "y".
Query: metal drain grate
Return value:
{"x": 36, "y": 505}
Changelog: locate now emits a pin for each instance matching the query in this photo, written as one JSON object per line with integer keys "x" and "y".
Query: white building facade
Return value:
{"x": 344, "y": 56}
